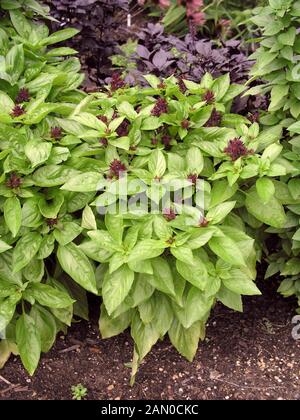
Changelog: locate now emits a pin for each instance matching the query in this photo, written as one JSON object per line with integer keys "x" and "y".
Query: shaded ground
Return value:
{"x": 246, "y": 356}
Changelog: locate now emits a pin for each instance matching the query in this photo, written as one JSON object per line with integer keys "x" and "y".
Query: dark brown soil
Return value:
{"x": 245, "y": 356}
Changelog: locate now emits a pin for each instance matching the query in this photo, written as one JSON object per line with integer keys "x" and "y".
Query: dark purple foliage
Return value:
{"x": 215, "y": 119}
{"x": 116, "y": 82}
{"x": 103, "y": 28}
{"x": 190, "y": 58}
{"x": 181, "y": 84}
{"x": 251, "y": 105}
{"x": 164, "y": 55}
{"x": 253, "y": 116}
{"x": 102, "y": 24}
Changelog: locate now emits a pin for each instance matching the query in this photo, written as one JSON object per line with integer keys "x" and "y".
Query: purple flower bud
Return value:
{"x": 23, "y": 96}
{"x": 18, "y": 111}
{"x": 236, "y": 149}
{"x": 161, "y": 107}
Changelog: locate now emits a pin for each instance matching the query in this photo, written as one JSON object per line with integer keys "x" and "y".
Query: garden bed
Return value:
{"x": 65, "y": 150}
{"x": 245, "y": 356}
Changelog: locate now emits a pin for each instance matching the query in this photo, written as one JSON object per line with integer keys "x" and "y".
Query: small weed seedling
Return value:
{"x": 79, "y": 392}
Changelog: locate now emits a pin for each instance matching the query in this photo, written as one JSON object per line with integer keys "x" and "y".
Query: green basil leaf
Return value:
{"x": 26, "y": 248}
{"x": 15, "y": 63}
{"x": 8, "y": 308}
{"x": 183, "y": 253}
{"x": 4, "y": 246}
{"x": 162, "y": 278}
{"x": 86, "y": 182}
{"x": 227, "y": 250}
{"x": 110, "y": 327}
{"x": 271, "y": 214}
{"x": 60, "y": 36}
{"x": 186, "y": 340}
{"x": 116, "y": 287}
{"x": 37, "y": 151}
{"x": 28, "y": 342}
{"x": 88, "y": 219}
{"x": 239, "y": 283}
{"x": 265, "y": 189}
{"x": 45, "y": 325}
{"x": 145, "y": 336}
{"x": 49, "y": 296}
{"x": 196, "y": 307}
{"x": 157, "y": 164}
{"x": 149, "y": 248}
{"x": 53, "y": 175}
{"x": 75, "y": 263}
{"x": 13, "y": 215}
{"x": 67, "y": 233}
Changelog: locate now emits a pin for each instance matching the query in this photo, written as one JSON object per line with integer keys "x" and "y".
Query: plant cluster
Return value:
{"x": 162, "y": 272}
{"x": 67, "y": 156}
{"x": 153, "y": 198}
{"x": 163, "y": 55}
{"x": 102, "y": 25}
{"x": 37, "y": 79}
{"x": 277, "y": 62}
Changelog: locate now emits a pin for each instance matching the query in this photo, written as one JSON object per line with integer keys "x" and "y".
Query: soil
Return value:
{"x": 245, "y": 356}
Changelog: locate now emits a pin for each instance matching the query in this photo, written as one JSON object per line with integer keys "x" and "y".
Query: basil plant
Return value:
{"x": 139, "y": 196}
{"x": 172, "y": 171}
{"x": 36, "y": 83}
{"x": 277, "y": 62}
